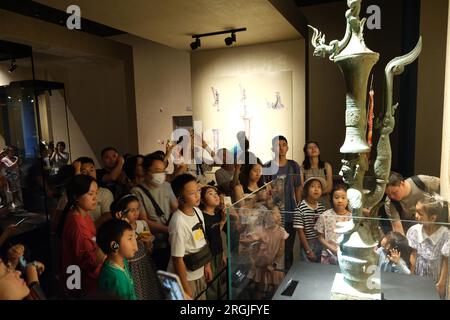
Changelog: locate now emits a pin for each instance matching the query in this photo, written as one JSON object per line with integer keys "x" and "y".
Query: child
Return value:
{"x": 430, "y": 241}
{"x": 326, "y": 224}
{"x": 77, "y": 233}
{"x": 269, "y": 255}
{"x": 117, "y": 240}
{"x": 187, "y": 239}
{"x": 306, "y": 216}
{"x": 264, "y": 200}
{"x": 215, "y": 219}
{"x": 393, "y": 253}
{"x": 142, "y": 268}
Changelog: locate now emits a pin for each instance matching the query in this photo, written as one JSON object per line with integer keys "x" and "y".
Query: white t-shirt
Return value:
{"x": 184, "y": 241}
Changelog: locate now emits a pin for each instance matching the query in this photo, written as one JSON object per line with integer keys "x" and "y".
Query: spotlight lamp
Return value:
{"x": 228, "y": 40}
{"x": 196, "y": 44}
{"x": 13, "y": 66}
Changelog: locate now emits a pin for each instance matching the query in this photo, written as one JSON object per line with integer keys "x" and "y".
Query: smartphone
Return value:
{"x": 20, "y": 221}
{"x": 290, "y": 288}
{"x": 172, "y": 285}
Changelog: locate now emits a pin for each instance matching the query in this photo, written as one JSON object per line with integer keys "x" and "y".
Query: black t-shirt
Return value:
{"x": 213, "y": 232}
{"x": 100, "y": 174}
{"x": 119, "y": 188}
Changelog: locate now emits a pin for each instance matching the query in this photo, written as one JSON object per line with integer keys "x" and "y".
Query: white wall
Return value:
{"x": 58, "y": 115}
{"x": 445, "y": 158}
{"x": 252, "y": 60}
{"x": 162, "y": 80}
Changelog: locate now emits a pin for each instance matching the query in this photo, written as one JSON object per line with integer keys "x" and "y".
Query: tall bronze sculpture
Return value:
{"x": 359, "y": 236}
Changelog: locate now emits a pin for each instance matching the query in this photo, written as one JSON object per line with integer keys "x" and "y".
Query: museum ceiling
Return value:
{"x": 172, "y": 22}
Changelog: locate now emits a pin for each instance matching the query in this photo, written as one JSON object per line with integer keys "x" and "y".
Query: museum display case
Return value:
{"x": 404, "y": 268}
{"x": 33, "y": 128}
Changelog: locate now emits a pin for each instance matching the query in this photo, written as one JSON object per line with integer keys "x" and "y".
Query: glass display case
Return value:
{"x": 413, "y": 266}
{"x": 34, "y": 146}
{"x": 256, "y": 243}
{"x": 34, "y": 135}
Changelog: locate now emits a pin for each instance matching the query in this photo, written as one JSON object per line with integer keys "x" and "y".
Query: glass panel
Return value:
{"x": 256, "y": 242}
{"x": 33, "y": 114}
{"x": 341, "y": 256}
{"x": 18, "y": 130}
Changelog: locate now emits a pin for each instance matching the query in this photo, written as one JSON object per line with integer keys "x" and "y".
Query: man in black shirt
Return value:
{"x": 112, "y": 176}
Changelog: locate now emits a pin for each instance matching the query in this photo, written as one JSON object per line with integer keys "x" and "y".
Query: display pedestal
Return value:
{"x": 341, "y": 290}
{"x": 315, "y": 282}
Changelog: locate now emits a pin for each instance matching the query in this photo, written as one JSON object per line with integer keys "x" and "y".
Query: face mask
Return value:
{"x": 159, "y": 178}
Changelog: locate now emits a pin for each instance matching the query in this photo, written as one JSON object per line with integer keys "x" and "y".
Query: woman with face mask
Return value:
{"x": 156, "y": 202}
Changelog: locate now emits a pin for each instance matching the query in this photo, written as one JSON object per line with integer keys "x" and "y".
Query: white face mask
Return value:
{"x": 158, "y": 178}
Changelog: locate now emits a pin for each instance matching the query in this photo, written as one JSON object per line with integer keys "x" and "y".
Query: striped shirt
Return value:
{"x": 306, "y": 217}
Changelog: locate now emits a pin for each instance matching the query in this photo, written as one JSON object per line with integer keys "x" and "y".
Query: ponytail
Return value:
{"x": 62, "y": 220}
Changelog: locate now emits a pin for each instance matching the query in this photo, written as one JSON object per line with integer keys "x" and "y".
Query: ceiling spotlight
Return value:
{"x": 13, "y": 66}
{"x": 196, "y": 44}
{"x": 229, "y": 40}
